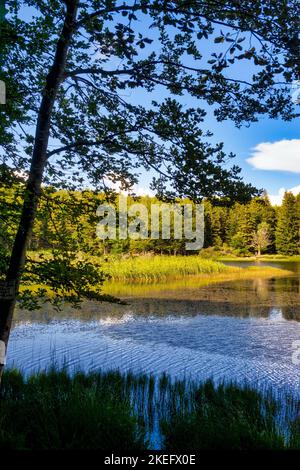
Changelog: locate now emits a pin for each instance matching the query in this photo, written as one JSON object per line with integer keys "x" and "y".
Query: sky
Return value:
{"x": 268, "y": 151}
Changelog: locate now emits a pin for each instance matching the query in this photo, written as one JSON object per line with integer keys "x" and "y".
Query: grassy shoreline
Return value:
{"x": 262, "y": 258}
{"x": 162, "y": 268}
{"x": 156, "y": 268}
{"x": 111, "y": 410}
{"x": 145, "y": 269}
{"x": 127, "y": 288}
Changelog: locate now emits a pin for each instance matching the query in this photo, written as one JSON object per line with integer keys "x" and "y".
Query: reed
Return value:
{"x": 111, "y": 410}
{"x": 157, "y": 268}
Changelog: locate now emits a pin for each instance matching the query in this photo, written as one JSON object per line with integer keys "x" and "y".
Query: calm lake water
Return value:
{"x": 238, "y": 330}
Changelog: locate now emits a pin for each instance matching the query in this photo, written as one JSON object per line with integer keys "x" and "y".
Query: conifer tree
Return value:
{"x": 287, "y": 230}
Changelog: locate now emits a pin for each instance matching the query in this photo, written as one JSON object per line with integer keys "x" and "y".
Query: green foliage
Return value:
{"x": 287, "y": 230}
{"x": 66, "y": 255}
{"x": 244, "y": 220}
{"x": 99, "y": 132}
{"x": 226, "y": 418}
{"x": 155, "y": 268}
{"x": 109, "y": 410}
{"x": 55, "y": 411}
{"x": 66, "y": 277}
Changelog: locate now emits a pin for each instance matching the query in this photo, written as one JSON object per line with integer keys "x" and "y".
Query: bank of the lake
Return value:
{"x": 159, "y": 268}
{"x": 229, "y": 325}
{"x": 273, "y": 258}
{"x": 233, "y": 324}
{"x": 106, "y": 410}
{"x": 156, "y": 269}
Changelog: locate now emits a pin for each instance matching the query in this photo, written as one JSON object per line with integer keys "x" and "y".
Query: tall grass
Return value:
{"x": 159, "y": 268}
{"x": 156, "y": 268}
{"x": 226, "y": 417}
{"x": 55, "y": 411}
{"x": 110, "y": 410}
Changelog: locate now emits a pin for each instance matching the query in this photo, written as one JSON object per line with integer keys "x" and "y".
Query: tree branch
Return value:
{"x": 133, "y": 71}
{"x": 163, "y": 8}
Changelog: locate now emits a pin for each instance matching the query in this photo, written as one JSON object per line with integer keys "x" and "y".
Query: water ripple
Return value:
{"x": 201, "y": 346}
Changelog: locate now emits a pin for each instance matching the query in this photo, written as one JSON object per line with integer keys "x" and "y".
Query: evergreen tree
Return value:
{"x": 241, "y": 239}
{"x": 287, "y": 230}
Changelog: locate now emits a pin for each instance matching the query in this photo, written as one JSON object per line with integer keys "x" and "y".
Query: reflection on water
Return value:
{"x": 241, "y": 330}
{"x": 242, "y": 298}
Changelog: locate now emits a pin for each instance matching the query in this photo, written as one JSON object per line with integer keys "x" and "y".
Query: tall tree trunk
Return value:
{"x": 38, "y": 163}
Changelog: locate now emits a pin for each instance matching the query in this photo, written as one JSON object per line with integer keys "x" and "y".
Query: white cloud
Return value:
{"x": 283, "y": 155}
{"x": 276, "y": 199}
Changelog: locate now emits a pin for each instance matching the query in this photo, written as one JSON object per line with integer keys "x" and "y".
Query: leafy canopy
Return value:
{"x": 121, "y": 105}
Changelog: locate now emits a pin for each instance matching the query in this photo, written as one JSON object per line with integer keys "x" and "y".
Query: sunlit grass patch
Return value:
{"x": 159, "y": 268}
{"x": 154, "y": 268}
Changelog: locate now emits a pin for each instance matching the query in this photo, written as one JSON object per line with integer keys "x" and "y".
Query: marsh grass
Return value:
{"x": 155, "y": 268}
{"x": 226, "y": 417}
{"x": 270, "y": 258}
{"x": 151, "y": 269}
{"x": 110, "y": 410}
{"x": 159, "y": 269}
{"x": 56, "y": 411}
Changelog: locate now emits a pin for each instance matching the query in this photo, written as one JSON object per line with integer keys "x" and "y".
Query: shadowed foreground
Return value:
{"x": 109, "y": 410}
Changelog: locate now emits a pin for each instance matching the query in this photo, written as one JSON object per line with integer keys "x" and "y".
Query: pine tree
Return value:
{"x": 287, "y": 230}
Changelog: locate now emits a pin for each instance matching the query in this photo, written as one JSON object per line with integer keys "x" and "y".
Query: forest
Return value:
{"x": 67, "y": 220}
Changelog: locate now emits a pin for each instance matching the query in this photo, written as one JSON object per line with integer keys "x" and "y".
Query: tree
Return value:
{"x": 287, "y": 230}
{"x": 69, "y": 69}
{"x": 242, "y": 225}
{"x": 244, "y": 219}
{"x": 267, "y": 214}
{"x": 261, "y": 238}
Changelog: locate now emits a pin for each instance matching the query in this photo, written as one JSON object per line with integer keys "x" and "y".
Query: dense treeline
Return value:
{"x": 69, "y": 219}
{"x": 256, "y": 227}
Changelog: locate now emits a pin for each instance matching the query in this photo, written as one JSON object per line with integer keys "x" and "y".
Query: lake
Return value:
{"x": 238, "y": 330}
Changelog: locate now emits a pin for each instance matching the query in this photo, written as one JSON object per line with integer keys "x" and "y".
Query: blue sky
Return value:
{"x": 276, "y": 164}
{"x": 284, "y": 138}
{"x": 277, "y": 143}
{"x": 243, "y": 141}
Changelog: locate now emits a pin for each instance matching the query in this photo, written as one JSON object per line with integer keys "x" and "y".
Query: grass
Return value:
{"x": 110, "y": 410}
{"x": 267, "y": 258}
{"x": 159, "y": 268}
{"x": 55, "y": 411}
{"x": 154, "y": 268}
{"x": 226, "y": 417}
{"x": 147, "y": 288}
